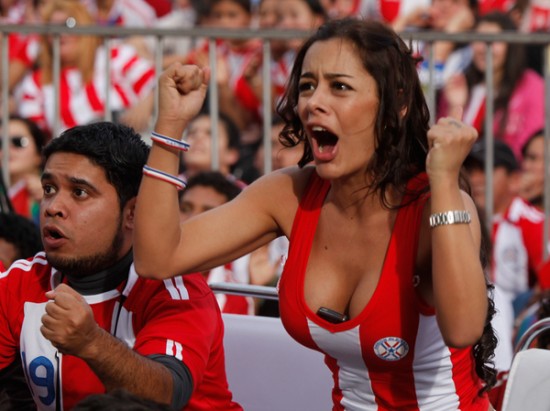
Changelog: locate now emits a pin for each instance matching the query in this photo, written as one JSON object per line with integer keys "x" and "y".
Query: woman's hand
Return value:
{"x": 450, "y": 141}
{"x": 182, "y": 90}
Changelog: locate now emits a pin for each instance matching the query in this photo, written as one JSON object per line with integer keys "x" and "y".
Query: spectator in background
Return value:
{"x": 205, "y": 191}
{"x": 305, "y": 15}
{"x": 281, "y": 155}
{"x": 532, "y": 174}
{"x": 19, "y": 239}
{"x": 447, "y": 16}
{"x": 183, "y": 15}
{"x": 83, "y": 77}
{"x": 200, "y": 136}
{"x": 236, "y": 99}
{"x": 25, "y": 166}
{"x": 518, "y": 90}
{"x": 517, "y": 227}
{"x": 126, "y": 13}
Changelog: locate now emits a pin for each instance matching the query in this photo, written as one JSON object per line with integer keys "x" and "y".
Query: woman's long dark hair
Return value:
{"x": 401, "y": 128}
{"x": 403, "y": 117}
{"x": 515, "y": 65}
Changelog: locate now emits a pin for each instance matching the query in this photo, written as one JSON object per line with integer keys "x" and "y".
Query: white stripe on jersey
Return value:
{"x": 25, "y": 265}
{"x": 176, "y": 288}
{"x": 437, "y": 368}
{"x": 40, "y": 359}
{"x": 174, "y": 349}
{"x": 353, "y": 376}
{"x": 122, "y": 325}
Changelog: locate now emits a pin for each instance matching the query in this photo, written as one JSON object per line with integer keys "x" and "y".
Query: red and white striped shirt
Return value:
{"x": 177, "y": 317}
{"x": 127, "y": 13}
{"x": 131, "y": 79}
{"x": 517, "y": 239}
{"x": 392, "y": 355}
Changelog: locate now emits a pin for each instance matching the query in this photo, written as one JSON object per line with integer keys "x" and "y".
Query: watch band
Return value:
{"x": 450, "y": 217}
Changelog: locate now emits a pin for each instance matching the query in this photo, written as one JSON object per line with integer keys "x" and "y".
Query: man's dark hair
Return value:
{"x": 116, "y": 148}
{"x": 22, "y": 233}
{"x": 217, "y": 181}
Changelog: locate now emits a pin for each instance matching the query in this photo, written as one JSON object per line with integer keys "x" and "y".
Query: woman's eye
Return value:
{"x": 305, "y": 87}
{"x": 340, "y": 86}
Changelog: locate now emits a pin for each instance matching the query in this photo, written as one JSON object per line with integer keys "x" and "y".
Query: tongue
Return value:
{"x": 325, "y": 152}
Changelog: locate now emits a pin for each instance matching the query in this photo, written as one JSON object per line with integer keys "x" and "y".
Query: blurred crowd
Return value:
{"x": 518, "y": 267}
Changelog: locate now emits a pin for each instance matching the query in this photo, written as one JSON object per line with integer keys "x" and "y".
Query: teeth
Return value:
{"x": 318, "y": 128}
{"x": 320, "y": 148}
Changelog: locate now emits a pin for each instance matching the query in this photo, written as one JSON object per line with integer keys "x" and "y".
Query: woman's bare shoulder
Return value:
{"x": 286, "y": 181}
{"x": 278, "y": 193}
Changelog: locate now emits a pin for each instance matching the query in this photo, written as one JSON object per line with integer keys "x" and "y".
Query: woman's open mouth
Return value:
{"x": 324, "y": 143}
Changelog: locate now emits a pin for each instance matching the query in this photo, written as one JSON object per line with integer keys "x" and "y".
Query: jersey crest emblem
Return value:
{"x": 391, "y": 348}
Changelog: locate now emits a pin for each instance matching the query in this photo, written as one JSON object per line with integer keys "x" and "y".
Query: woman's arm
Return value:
{"x": 459, "y": 290}
{"x": 162, "y": 248}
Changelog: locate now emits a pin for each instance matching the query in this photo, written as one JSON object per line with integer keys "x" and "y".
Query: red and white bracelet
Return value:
{"x": 161, "y": 175}
{"x": 170, "y": 142}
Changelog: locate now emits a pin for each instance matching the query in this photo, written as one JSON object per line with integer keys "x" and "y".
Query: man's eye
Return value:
{"x": 48, "y": 189}
{"x": 79, "y": 192}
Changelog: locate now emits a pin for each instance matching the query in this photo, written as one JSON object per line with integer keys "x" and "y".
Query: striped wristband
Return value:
{"x": 170, "y": 142}
{"x": 161, "y": 175}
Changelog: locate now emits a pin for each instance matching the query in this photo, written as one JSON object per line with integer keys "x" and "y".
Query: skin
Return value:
{"x": 500, "y": 50}
{"x": 281, "y": 156}
{"x": 532, "y": 176}
{"x": 69, "y": 45}
{"x": 199, "y": 199}
{"x": 8, "y": 253}
{"x": 199, "y": 135}
{"x": 353, "y": 230}
{"x": 24, "y": 162}
{"x": 83, "y": 206}
{"x": 296, "y": 15}
{"x": 505, "y": 188}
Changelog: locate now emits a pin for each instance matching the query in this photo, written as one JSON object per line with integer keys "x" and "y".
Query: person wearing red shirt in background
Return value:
{"x": 83, "y": 77}
{"x": 205, "y": 191}
{"x": 517, "y": 226}
{"x": 26, "y": 140}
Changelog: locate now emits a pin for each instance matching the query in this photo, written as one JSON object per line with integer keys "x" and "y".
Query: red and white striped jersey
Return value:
{"x": 127, "y": 13}
{"x": 392, "y": 355}
{"x": 177, "y": 317}
{"x": 131, "y": 79}
{"x": 517, "y": 247}
{"x": 235, "y": 272}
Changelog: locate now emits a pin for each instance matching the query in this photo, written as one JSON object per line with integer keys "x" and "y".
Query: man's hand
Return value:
{"x": 69, "y": 322}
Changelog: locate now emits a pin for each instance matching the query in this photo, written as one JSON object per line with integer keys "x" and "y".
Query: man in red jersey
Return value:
{"x": 79, "y": 317}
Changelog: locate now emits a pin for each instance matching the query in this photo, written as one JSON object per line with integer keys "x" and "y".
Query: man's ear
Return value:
{"x": 128, "y": 214}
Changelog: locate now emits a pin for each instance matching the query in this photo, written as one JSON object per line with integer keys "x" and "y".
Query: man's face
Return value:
{"x": 199, "y": 199}
{"x": 502, "y": 187}
{"x": 80, "y": 217}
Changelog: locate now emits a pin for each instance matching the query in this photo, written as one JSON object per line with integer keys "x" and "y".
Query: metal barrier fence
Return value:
{"x": 211, "y": 34}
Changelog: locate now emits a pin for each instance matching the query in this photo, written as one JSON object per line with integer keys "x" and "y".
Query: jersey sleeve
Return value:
{"x": 180, "y": 326}
{"x": 8, "y": 343}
